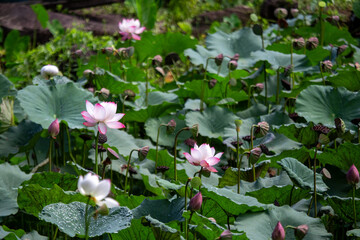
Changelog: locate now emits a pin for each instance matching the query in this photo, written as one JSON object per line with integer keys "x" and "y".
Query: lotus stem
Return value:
{"x": 69, "y": 143}
{"x": 239, "y": 166}
{"x": 322, "y": 27}
{"x": 354, "y": 205}
{"x": 55, "y": 234}
{"x": 266, "y": 91}
{"x": 96, "y": 153}
{"x": 175, "y": 145}
{"x": 322, "y": 74}
{"x": 291, "y": 193}
{"x": 315, "y": 201}
{"x": 203, "y": 87}
{"x": 127, "y": 170}
{"x": 84, "y": 154}
{"x": 187, "y": 227}
{"x": 277, "y": 85}
{"x": 292, "y": 62}
{"x": 146, "y": 87}
{"x": 254, "y": 173}
{"x": 252, "y": 136}
{"x": 157, "y": 146}
{"x": 50, "y": 153}
{"x": 87, "y": 219}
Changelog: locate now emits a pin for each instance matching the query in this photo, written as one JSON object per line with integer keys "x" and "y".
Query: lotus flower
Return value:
{"x": 54, "y": 128}
{"x": 195, "y": 202}
{"x": 130, "y": 28}
{"x": 90, "y": 186}
{"x": 48, "y": 71}
{"x": 278, "y": 233}
{"x": 203, "y": 156}
{"x": 104, "y": 114}
{"x": 352, "y": 176}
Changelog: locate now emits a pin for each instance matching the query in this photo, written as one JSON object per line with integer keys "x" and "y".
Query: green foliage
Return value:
{"x": 146, "y": 11}
{"x": 41, "y": 14}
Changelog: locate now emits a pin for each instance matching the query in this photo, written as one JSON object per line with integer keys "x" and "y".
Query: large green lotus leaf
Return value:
{"x": 255, "y": 110}
{"x": 70, "y": 218}
{"x": 105, "y": 79}
{"x": 343, "y": 207}
{"x": 347, "y": 77}
{"x": 337, "y": 184}
{"x": 343, "y": 157}
{"x": 302, "y": 155}
{"x": 301, "y": 175}
{"x": 33, "y": 198}
{"x": 136, "y": 231}
{"x": 6, "y": 87}
{"x": 261, "y": 225}
{"x": 11, "y": 178}
{"x": 242, "y": 42}
{"x": 152, "y": 125}
{"x": 280, "y": 194}
{"x": 154, "y": 111}
{"x": 15, "y": 138}
{"x": 163, "y": 231}
{"x": 232, "y": 202}
{"x": 163, "y": 210}
{"x": 212, "y": 121}
{"x": 299, "y": 132}
{"x": 322, "y": 104}
{"x": 125, "y": 142}
{"x": 67, "y": 182}
{"x": 354, "y": 232}
{"x": 9, "y": 234}
{"x": 211, "y": 208}
{"x": 64, "y": 101}
{"x": 33, "y": 235}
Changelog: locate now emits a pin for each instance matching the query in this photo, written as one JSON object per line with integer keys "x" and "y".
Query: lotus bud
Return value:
{"x": 157, "y": 61}
{"x": 105, "y": 93}
{"x": 288, "y": 70}
{"x": 301, "y": 231}
{"x": 102, "y": 138}
{"x": 352, "y": 176}
{"x": 195, "y": 182}
{"x": 238, "y": 123}
{"x": 219, "y": 59}
{"x": 112, "y": 154}
{"x": 312, "y": 43}
{"x": 232, "y": 82}
{"x": 341, "y": 49}
{"x": 195, "y": 202}
{"x": 212, "y": 83}
{"x": 87, "y": 73}
{"x": 54, "y": 128}
{"x": 143, "y": 152}
{"x": 212, "y": 219}
{"x": 280, "y": 13}
{"x": 326, "y": 66}
{"x": 170, "y": 127}
{"x": 103, "y": 210}
{"x": 129, "y": 51}
{"x": 254, "y": 155}
{"x": 190, "y": 142}
{"x": 278, "y": 233}
{"x": 340, "y": 125}
{"x": 130, "y": 94}
{"x": 108, "y": 51}
{"x": 294, "y": 12}
{"x": 262, "y": 129}
{"x": 325, "y": 173}
{"x": 162, "y": 169}
{"x": 259, "y": 87}
{"x": 232, "y": 65}
{"x": 257, "y": 29}
{"x": 195, "y": 130}
{"x": 226, "y": 235}
{"x": 235, "y": 57}
{"x": 298, "y": 43}
{"x": 49, "y": 71}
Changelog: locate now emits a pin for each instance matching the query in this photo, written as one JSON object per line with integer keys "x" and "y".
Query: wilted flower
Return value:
{"x": 265, "y": 149}
{"x": 90, "y": 186}
{"x": 288, "y": 70}
{"x": 312, "y": 43}
{"x": 104, "y": 114}
{"x": 195, "y": 130}
{"x": 108, "y": 51}
{"x": 341, "y": 49}
{"x": 294, "y": 12}
{"x": 49, "y": 71}
{"x": 142, "y": 152}
{"x": 218, "y": 59}
{"x": 340, "y": 125}
{"x": 280, "y": 13}
{"x": 203, "y": 156}
{"x": 326, "y": 66}
{"x": 129, "y": 94}
{"x": 298, "y": 43}
{"x": 259, "y": 87}
{"x": 352, "y": 176}
{"x": 170, "y": 126}
{"x": 301, "y": 231}
{"x": 321, "y": 129}
{"x": 261, "y": 129}
{"x": 102, "y": 138}
{"x": 54, "y": 128}
{"x": 130, "y": 28}
{"x": 232, "y": 65}
{"x": 235, "y": 57}
{"x": 195, "y": 202}
{"x": 212, "y": 83}
{"x": 255, "y": 154}
{"x": 248, "y": 138}
{"x": 105, "y": 93}
{"x": 278, "y": 233}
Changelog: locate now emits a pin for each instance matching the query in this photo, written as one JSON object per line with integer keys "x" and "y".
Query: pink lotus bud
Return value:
{"x": 326, "y": 66}
{"x": 156, "y": 61}
{"x": 298, "y": 43}
{"x": 195, "y": 202}
{"x": 88, "y": 73}
{"x": 259, "y": 87}
{"x": 142, "y": 153}
{"x": 281, "y": 13}
{"x": 301, "y": 231}
{"x": 294, "y": 12}
{"x": 218, "y": 59}
{"x": 278, "y": 233}
{"x": 48, "y": 71}
{"x": 312, "y": 43}
{"x": 54, "y": 129}
{"x": 232, "y": 65}
{"x": 254, "y": 155}
{"x": 235, "y": 57}
{"x": 226, "y": 235}
{"x": 170, "y": 127}
{"x": 352, "y": 176}
{"x": 212, "y": 83}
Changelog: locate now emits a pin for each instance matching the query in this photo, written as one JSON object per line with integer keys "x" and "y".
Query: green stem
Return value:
{"x": 252, "y": 136}
{"x": 203, "y": 87}
{"x": 96, "y": 153}
{"x": 55, "y": 234}
{"x": 266, "y": 90}
{"x": 354, "y": 205}
{"x": 322, "y": 27}
{"x": 157, "y": 147}
{"x": 315, "y": 201}
{"x": 322, "y": 75}
{"x": 237, "y": 146}
{"x": 127, "y": 170}
{"x": 50, "y": 153}
{"x": 87, "y": 219}
{"x": 69, "y": 143}
{"x": 187, "y": 227}
{"x": 146, "y": 87}
{"x": 239, "y": 167}
{"x": 186, "y": 185}
{"x": 254, "y": 174}
{"x": 291, "y": 193}
{"x": 292, "y": 62}
{"x": 175, "y": 145}
{"x": 277, "y": 86}
{"x": 84, "y": 154}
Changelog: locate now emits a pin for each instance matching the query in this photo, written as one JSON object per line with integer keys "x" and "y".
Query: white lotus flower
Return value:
{"x": 48, "y": 71}
{"x": 130, "y": 29}
{"x": 204, "y": 156}
{"x": 98, "y": 190}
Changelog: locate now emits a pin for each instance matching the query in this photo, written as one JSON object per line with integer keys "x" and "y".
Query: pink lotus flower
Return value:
{"x": 130, "y": 28}
{"x": 278, "y": 233}
{"x": 195, "y": 202}
{"x": 104, "y": 114}
{"x": 203, "y": 156}
{"x": 54, "y": 128}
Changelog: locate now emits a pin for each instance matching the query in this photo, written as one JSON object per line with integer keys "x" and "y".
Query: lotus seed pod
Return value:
{"x": 49, "y": 71}
{"x": 294, "y": 12}
{"x": 340, "y": 125}
{"x": 254, "y": 17}
{"x": 212, "y": 83}
{"x": 326, "y": 66}
{"x": 102, "y": 138}
{"x": 219, "y": 59}
{"x": 352, "y": 176}
{"x": 322, "y": 4}
{"x": 195, "y": 182}
{"x": 238, "y": 123}
{"x": 301, "y": 231}
{"x": 298, "y": 43}
{"x": 232, "y": 65}
{"x": 261, "y": 129}
{"x": 162, "y": 169}
{"x": 170, "y": 127}
{"x": 259, "y": 87}
{"x": 112, "y": 154}
{"x": 142, "y": 152}
{"x": 257, "y": 29}
{"x": 280, "y": 13}
{"x": 312, "y": 43}
{"x": 278, "y": 233}
{"x": 54, "y": 128}
{"x": 196, "y": 202}
{"x": 341, "y": 49}
{"x": 254, "y": 155}
{"x": 157, "y": 61}
{"x": 226, "y": 235}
